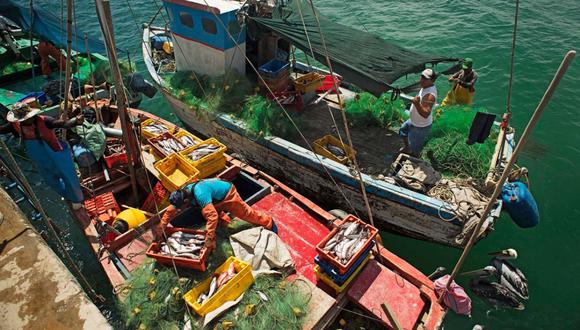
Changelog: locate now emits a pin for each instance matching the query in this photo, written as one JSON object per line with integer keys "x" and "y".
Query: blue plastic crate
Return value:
{"x": 273, "y": 68}
{"x": 333, "y": 272}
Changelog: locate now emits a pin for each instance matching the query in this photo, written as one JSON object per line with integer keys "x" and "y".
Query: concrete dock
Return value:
{"x": 37, "y": 291}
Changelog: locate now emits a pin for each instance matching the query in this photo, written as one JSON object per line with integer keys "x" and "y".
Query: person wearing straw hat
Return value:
{"x": 52, "y": 156}
{"x": 215, "y": 197}
{"x": 463, "y": 85}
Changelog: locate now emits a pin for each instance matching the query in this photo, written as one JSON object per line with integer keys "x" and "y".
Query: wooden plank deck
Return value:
{"x": 376, "y": 147}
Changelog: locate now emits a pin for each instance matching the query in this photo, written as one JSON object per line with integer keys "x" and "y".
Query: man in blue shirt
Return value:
{"x": 215, "y": 197}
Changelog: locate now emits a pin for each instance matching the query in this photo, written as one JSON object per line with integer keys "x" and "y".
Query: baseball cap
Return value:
{"x": 428, "y": 74}
{"x": 467, "y": 63}
{"x": 176, "y": 198}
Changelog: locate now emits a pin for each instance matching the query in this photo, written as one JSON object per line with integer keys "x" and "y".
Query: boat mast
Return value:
{"x": 69, "y": 13}
{"x": 507, "y": 170}
{"x": 104, "y": 15}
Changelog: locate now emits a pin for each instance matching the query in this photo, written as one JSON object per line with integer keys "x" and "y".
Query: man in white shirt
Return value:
{"x": 415, "y": 130}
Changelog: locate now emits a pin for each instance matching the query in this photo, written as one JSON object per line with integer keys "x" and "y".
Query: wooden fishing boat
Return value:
{"x": 21, "y": 77}
{"x": 414, "y": 303}
{"x": 395, "y": 207}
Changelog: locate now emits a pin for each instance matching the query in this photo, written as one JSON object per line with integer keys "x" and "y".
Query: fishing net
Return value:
{"x": 368, "y": 110}
{"x": 265, "y": 118}
{"x": 284, "y": 308}
{"x": 12, "y": 67}
{"x": 446, "y": 147}
{"x": 153, "y": 297}
{"x": 210, "y": 96}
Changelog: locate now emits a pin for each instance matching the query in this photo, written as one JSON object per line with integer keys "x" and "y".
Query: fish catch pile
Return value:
{"x": 115, "y": 146}
{"x": 183, "y": 245}
{"x": 350, "y": 238}
{"x": 168, "y": 145}
{"x": 187, "y": 141}
{"x": 202, "y": 151}
{"x": 217, "y": 282}
{"x": 338, "y": 152}
{"x": 156, "y": 129}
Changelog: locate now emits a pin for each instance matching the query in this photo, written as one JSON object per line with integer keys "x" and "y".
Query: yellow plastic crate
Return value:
{"x": 148, "y": 135}
{"x": 175, "y": 172}
{"x": 183, "y": 132}
{"x": 230, "y": 291}
{"x": 209, "y": 164}
{"x": 321, "y": 276}
{"x": 309, "y": 82}
{"x": 320, "y": 148}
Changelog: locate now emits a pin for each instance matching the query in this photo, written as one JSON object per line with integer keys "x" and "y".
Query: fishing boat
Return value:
{"x": 127, "y": 181}
{"x": 21, "y": 76}
{"x": 207, "y": 42}
{"x": 301, "y": 232}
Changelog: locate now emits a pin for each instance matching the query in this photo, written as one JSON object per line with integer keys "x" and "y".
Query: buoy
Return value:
{"x": 520, "y": 204}
{"x": 128, "y": 219}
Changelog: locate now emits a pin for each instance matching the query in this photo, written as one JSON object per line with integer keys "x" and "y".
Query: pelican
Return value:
{"x": 508, "y": 275}
{"x": 493, "y": 292}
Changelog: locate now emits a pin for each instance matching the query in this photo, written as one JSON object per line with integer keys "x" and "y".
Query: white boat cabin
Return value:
{"x": 201, "y": 36}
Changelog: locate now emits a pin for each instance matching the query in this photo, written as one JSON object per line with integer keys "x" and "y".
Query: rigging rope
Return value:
{"x": 509, "y": 95}
{"x": 345, "y": 120}
{"x": 285, "y": 112}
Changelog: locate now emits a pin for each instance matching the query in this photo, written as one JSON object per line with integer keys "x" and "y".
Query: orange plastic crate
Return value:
{"x": 331, "y": 259}
{"x": 199, "y": 264}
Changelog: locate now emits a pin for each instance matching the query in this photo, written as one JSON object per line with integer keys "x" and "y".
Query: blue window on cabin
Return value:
{"x": 186, "y": 19}
{"x": 209, "y": 25}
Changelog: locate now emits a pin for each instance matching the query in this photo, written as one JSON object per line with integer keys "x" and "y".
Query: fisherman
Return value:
{"x": 213, "y": 196}
{"x": 415, "y": 130}
{"x": 52, "y": 157}
{"x": 463, "y": 85}
{"x": 46, "y": 49}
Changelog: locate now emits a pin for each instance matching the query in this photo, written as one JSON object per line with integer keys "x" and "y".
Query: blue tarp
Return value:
{"x": 48, "y": 26}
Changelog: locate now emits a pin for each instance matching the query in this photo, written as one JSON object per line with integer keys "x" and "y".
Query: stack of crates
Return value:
{"x": 334, "y": 274}
{"x": 209, "y": 164}
{"x": 275, "y": 75}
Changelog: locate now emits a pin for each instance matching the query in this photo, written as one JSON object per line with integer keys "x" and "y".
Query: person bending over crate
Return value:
{"x": 214, "y": 197}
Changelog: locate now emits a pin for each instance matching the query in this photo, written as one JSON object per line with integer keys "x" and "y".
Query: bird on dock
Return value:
{"x": 510, "y": 287}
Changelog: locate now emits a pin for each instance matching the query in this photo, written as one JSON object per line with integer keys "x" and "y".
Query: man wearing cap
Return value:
{"x": 214, "y": 197}
{"x": 415, "y": 130}
{"x": 463, "y": 85}
{"x": 52, "y": 157}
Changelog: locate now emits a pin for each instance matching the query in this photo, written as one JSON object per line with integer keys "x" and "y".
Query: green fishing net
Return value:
{"x": 153, "y": 297}
{"x": 368, "y": 110}
{"x": 210, "y": 96}
{"x": 284, "y": 308}
{"x": 264, "y": 117}
{"x": 446, "y": 146}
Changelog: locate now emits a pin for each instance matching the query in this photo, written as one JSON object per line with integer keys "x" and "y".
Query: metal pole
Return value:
{"x": 529, "y": 128}
{"x": 133, "y": 149}
{"x": 69, "y": 13}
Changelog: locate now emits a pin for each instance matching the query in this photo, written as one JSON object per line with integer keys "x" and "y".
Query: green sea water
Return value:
{"x": 482, "y": 30}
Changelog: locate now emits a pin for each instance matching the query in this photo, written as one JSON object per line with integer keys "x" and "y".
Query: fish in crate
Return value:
{"x": 184, "y": 245}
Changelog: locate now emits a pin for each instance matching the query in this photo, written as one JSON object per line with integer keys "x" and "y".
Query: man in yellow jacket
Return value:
{"x": 463, "y": 87}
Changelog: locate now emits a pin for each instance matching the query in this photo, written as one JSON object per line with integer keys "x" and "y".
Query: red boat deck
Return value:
{"x": 298, "y": 229}
{"x": 377, "y": 284}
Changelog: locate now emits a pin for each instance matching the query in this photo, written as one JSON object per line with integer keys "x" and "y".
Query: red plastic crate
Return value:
{"x": 116, "y": 160}
{"x": 287, "y": 98}
{"x": 153, "y": 252}
{"x": 326, "y": 256}
{"x": 328, "y": 84}
{"x": 160, "y": 152}
{"x": 101, "y": 205}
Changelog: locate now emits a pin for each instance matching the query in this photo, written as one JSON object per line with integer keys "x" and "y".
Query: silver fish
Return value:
{"x": 338, "y": 152}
